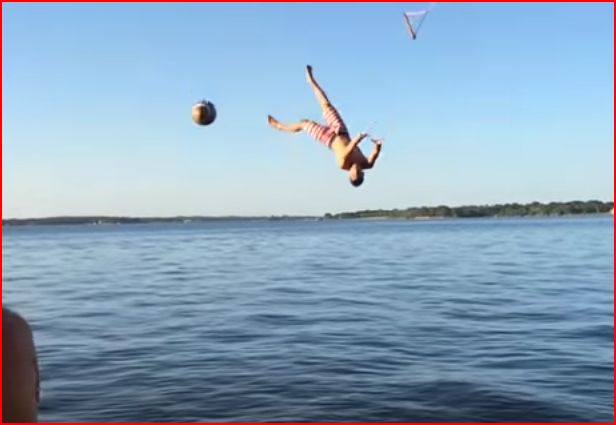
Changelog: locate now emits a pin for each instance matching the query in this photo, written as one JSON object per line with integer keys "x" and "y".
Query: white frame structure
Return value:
{"x": 409, "y": 26}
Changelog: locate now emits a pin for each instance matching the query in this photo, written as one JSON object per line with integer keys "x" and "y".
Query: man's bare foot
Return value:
{"x": 276, "y": 124}
{"x": 273, "y": 121}
{"x": 309, "y": 73}
{"x": 289, "y": 128}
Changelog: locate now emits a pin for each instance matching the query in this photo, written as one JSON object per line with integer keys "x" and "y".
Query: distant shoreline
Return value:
{"x": 111, "y": 220}
{"x": 534, "y": 209}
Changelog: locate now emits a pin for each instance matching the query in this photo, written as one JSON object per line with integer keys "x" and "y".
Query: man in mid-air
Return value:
{"x": 334, "y": 135}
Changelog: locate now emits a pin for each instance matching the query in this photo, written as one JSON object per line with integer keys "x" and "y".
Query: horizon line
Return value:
{"x": 263, "y": 216}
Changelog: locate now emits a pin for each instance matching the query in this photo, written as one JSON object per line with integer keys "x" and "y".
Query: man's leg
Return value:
{"x": 289, "y": 128}
{"x": 331, "y": 115}
{"x": 315, "y": 130}
{"x": 316, "y": 88}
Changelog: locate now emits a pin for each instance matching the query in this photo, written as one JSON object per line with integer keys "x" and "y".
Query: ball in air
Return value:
{"x": 203, "y": 113}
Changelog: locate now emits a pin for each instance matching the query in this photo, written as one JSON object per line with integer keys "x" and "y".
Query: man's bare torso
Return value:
{"x": 339, "y": 145}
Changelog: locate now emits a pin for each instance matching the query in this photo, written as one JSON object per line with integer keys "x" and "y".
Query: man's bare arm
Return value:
{"x": 375, "y": 152}
{"x": 354, "y": 143}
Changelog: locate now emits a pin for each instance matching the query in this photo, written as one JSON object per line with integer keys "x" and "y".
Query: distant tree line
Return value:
{"x": 441, "y": 211}
{"x": 100, "y": 220}
{"x": 533, "y": 209}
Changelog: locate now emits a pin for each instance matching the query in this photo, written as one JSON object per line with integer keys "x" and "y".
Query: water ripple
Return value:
{"x": 470, "y": 320}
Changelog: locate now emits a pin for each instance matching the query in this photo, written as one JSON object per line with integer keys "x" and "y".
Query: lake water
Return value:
{"x": 453, "y": 320}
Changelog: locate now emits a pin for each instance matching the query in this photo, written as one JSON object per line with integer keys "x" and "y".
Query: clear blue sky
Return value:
{"x": 492, "y": 103}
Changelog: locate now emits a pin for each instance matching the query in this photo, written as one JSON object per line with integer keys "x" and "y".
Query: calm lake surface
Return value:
{"x": 453, "y": 320}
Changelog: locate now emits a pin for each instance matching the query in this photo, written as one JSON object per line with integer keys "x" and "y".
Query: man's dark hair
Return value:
{"x": 358, "y": 181}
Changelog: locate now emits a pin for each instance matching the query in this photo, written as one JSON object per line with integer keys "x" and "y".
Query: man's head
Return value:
{"x": 356, "y": 175}
{"x": 20, "y": 373}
